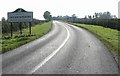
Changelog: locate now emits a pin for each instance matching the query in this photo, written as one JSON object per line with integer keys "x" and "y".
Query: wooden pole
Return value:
{"x": 11, "y": 29}
{"x": 30, "y": 28}
{"x": 20, "y": 26}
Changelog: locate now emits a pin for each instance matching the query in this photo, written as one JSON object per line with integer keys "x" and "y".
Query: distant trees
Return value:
{"x": 89, "y": 16}
{"x": 104, "y": 15}
{"x": 72, "y": 18}
{"x": 96, "y": 15}
{"x": 74, "y": 15}
{"x": 47, "y": 15}
{"x": 85, "y": 17}
{"x": 100, "y": 15}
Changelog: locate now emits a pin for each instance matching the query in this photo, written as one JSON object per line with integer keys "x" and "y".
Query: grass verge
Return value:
{"x": 109, "y": 37}
{"x": 18, "y": 40}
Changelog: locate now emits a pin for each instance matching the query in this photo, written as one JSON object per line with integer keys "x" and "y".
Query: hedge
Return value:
{"x": 108, "y": 23}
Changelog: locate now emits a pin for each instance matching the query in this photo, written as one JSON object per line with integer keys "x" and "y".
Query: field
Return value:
{"x": 18, "y": 40}
{"x": 109, "y": 37}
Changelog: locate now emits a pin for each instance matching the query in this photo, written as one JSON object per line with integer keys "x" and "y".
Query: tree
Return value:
{"x": 4, "y": 25}
{"x": 89, "y": 16}
{"x": 4, "y": 22}
{"x": 47, "y": 15}
{"x": 104, "y": 15}
{"x": 114, "y": 16}
{"x": 85, "y": 17}
{"x": 74, "y": 15}
{"x": 93, "y": 16}
{"x": 96, "y": 15}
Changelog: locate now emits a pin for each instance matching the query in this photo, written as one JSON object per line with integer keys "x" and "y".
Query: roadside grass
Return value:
{"x": 18, "y": 40}
{"x": 109, "y": 37}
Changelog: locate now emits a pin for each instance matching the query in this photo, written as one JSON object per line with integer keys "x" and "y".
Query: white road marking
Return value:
{"x": 52, "y": 54}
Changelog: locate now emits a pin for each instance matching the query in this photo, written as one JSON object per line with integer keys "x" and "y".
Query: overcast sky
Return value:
{"x": 60, "y": 7}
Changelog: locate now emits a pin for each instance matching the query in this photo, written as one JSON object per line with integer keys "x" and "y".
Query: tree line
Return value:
{"x": 101, "y": 15}
{"x": 105, "y": 19}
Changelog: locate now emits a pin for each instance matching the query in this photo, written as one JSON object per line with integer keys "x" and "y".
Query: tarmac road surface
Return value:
{"x": 66, "y": 49}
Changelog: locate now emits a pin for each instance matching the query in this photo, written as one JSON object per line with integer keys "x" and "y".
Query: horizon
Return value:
{"x": 78, "y": 7}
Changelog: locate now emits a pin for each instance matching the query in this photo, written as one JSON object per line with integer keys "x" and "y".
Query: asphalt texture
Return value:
{"x": 66, "y": 49}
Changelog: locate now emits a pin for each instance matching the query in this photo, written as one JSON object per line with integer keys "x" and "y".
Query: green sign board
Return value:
{"x": 20, "y": 15}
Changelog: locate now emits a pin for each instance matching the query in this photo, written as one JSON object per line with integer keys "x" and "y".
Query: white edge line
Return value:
{"x": 52, "y": 54}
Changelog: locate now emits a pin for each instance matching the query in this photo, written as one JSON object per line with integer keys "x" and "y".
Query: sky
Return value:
{"x": 60, "y": 7}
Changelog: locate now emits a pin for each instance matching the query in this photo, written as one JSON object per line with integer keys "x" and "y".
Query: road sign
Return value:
{"x": 20, "y": 16}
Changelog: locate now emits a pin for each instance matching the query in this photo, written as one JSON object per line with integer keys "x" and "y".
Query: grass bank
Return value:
{"x": 18, "y": 40}
{"x": 109, "y": 37}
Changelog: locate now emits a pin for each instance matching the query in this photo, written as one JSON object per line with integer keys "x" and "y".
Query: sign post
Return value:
{"x": 30, "y": 28}
{"x": 11, "y": 28}
{"x": 20, "y": 15}
{"x": 20, "y": 26}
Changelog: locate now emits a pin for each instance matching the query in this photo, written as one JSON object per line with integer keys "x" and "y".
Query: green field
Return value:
{"x": 109, "y": 37}
{"x": 18, "y": 40}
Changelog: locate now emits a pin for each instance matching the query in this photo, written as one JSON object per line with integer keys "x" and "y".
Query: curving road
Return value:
{"x": 67, "y": 49}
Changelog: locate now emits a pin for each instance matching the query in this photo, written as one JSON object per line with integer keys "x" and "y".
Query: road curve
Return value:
{"x": 66, "y": 49}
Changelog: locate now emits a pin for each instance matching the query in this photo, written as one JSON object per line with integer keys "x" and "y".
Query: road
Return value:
{"x": 66, "y": 49}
